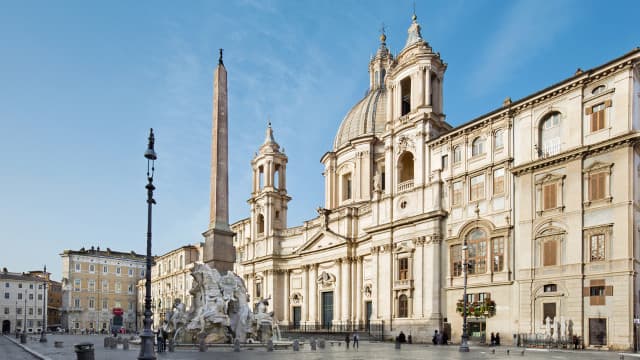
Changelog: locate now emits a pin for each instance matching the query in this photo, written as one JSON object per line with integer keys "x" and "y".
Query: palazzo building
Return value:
{"x": 170, "y": 280}
{"x": 99, "y": 286}
{"x": 23, "y": 304}
{"x": 537, "y": 200}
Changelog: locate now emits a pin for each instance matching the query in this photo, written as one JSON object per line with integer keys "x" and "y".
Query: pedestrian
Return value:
{"x": 346, "y": 340}
{"x": 497, "y": 339}
{"x": 493, "y": 339}
{"x": 409, "y": 339}
{"x": 445, "y": 338}
{"x": 434, "y": 339}
{"x": 356, "y": 341}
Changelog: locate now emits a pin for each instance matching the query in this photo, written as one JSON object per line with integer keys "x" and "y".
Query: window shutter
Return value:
{"x": 549, "y": 253}
{"x": 607, "y": 103}
{"x": 608, "y": 290}
{"x": 588, "y": 111}
{"x": 586, "y": 291}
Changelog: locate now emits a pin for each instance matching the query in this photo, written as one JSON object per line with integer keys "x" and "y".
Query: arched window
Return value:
{"x": 276, "y": 177}
{"x": 382, "y": 75}
{"x": 550, "y": 134}
{"x": 260, "y": 224}
{"x": 405, "y": 167}
{"x": 260, "y": 178}
{"x": 403, "y": 306}
{"x": 498, "y": 140}
{"x": 598, "y": 89}
{"x": 477, "y": 146}
{"x": 405, "y": 88}
{"x": 477, "y": 252}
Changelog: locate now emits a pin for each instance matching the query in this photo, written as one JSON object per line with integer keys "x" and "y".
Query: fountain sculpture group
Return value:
{"x": 220, "y": 311}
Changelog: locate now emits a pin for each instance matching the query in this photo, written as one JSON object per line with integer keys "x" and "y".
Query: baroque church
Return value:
{"x": 534, "y": 205}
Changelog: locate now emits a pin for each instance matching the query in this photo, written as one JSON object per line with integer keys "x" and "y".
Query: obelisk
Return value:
{"x": 219, "y": 252}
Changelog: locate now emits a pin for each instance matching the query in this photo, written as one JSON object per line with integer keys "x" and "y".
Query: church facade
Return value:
{"x": 535, "y": 202}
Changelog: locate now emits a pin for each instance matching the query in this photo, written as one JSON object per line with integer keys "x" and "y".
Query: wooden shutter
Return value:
{"x": 588, "y": 111}
{"x": 608, "y": 290}
{"x": 549, "y": 196}
{"x": 549, "y": 253}
{"x": 586, "y": 291}
{"x": 607, "y": 103}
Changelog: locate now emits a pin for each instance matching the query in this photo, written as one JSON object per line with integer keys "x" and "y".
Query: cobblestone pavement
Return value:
{"x": 11, "y": 350}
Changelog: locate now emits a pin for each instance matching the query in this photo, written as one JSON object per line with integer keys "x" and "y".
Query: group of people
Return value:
{"x": 495, "y": 339}
{"x": 356, "y": 340}
{"x": 440, "y": 338}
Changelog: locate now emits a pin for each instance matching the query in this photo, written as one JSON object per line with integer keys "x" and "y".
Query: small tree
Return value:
{"x": 486, "y": 308}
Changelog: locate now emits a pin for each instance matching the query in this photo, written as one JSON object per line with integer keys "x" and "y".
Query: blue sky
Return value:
{"x": 82, "y": 82}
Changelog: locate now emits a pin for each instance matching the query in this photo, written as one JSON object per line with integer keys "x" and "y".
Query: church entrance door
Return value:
{"x": 327, "y": 309}
{"x": 6, "y": 326}
{"x": 296, "y": 317}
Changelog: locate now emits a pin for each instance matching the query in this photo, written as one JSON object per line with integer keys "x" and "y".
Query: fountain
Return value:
{"x": 220, "y": 312}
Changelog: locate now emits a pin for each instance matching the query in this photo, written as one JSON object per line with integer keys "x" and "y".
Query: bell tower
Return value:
{"x": 269, "y": 199}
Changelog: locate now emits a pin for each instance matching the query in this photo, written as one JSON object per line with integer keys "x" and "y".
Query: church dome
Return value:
{"x": 367, "y": 117}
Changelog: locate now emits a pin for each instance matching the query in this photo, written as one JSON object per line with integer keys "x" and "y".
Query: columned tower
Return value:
{"x": 269, "y": 197}
{"x": 219, "y": 252}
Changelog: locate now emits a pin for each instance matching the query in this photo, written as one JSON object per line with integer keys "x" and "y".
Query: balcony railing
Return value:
{"x": 404, "y": 186}
{"x": 403, "y": 284}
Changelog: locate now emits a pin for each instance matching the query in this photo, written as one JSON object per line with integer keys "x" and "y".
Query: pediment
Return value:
{"x": 596, "y": 166}
{"x": 323, "y": 239}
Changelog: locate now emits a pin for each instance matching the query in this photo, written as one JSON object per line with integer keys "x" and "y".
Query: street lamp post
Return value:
{"x": 147, "y": 351}
{"x": 43, "y": 337}
{"x": 464, "y": 342}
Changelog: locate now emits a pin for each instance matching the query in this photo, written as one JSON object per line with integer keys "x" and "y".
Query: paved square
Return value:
{"x": 368, "y": 351}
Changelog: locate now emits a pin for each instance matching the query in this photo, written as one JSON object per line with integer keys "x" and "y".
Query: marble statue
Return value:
{"x": 220, "y": 311}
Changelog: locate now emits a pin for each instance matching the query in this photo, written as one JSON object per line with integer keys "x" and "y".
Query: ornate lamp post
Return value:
{"x": 464, "y": 342}
{"x": 43, "y": 337}
{"x": 146, "y": 339}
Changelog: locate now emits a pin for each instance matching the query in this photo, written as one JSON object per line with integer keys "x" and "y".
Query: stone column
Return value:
{"x": 390, "y": 91}
{"x": 346, "y": 289}
{"x": 376, "y": 275}
{"x": 337, "y": 314}
{"x": 421, "y": 86}
{"x": 419, "y": 271}
{"x": 305, "y": 287}
{"x": 313, "y": 294}
{"x": 358, "y": 297}
{"x": 287, "y": 297}
{"x": 427, "y": 88}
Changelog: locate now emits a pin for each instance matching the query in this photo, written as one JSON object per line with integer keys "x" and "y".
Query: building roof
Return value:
{"x": 367, "y": 117}
{"x": 104, "y": 253}
{"x": 5, "y": 275}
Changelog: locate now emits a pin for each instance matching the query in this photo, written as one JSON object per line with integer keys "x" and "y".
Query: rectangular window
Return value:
{"x": 130, "y": 289}
{"x": 597, "y": 295}
{"x": 548, "y": 311}
{"x": 105, "y": 269}
{"x": 497, "y": 254}
{"x": 19, "y": 311}
{"x": 130, "y": 272}
{"x": 92, "y": 285}
{"x": 30, "y": 311}
{"x": 7, "y": 295}
{"x": 549, "y": 254}
{"x": 498, "y": 181}
{"x": 549, "y": 196}
{"x": 76, "y": 285}
{"x": 76, "y": 303}
{"x": 105, "y": 286}
{"x": 597, "y": 186}
{"x": 105, "y": 304}
{"x": 19, "y": 296}
{"x": 39, "y": 311}
{"x": 92, "y": 268}
{"x": 456, "y": 260}
{"x": 92, "y": 303}
{"x": 477, "y": 188}
{"x": 598, "y": 332}
{"x": 77, "y": 267}
{"x": 6, "y": 311}
{"x": 457, "y": 193}
{"x": 6, "y": 285}
{"x": 445, "y": 162}
{"x": 346, "y": 186}
{"x": 597, "y": 247}
{"x": 403, "y": 269}
{"x": 457, "y": 154}
{"x": 30, "y": 296}
{"x": 118, "y": 270}
{"x": 39, "y": 296}
{"x": 118, "y": 287}
{"x": 597, "y": 117}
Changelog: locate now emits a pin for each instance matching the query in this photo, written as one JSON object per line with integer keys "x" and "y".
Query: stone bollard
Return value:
{"x": 203, "y": 345}
{"x": 172, "y": 345}
{"x": 397, "y": 344}
{"x": 107, "y": 342}
{"x": 270, "y": 345}
{"x": 113, "y": 343}
{"x": 236, "y": 345}
{"x": 125, "y": 344}
{"x": 313, "y": 344}
{"x": 321, "y": 344}
{"x": 296, "y": 345}
{"x": 57, "y": 344}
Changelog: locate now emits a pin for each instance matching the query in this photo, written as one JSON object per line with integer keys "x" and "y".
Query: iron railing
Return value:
{"x": 548, "y": 342}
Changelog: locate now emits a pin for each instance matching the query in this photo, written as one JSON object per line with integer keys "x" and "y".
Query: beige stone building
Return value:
{"x": 544, "y": 191}
{"x": 54, "y": 299}
{"x": 98, "y": 284}
{"x": 170, "y": 279}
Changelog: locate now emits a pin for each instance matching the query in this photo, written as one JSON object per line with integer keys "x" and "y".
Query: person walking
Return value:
{"x": 346, "y": 340}
{"x": 356, "y": 341}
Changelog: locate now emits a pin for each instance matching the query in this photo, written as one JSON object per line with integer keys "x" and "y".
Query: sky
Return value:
{"x": 82, "y": 82}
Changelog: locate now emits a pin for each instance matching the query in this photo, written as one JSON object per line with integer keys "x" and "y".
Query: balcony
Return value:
{"x": 405, "y": 186}
{"x": 402, "y": 284}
